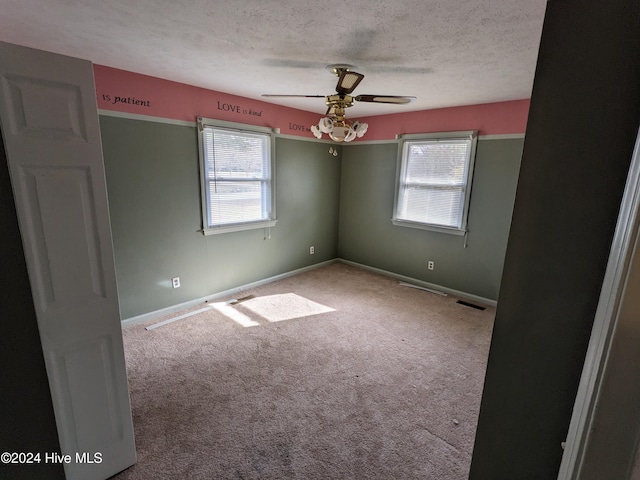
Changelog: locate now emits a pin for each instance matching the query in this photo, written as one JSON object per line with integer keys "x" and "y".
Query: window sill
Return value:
{"x": 427, "y": 226}
{"x": 238, "y": 227}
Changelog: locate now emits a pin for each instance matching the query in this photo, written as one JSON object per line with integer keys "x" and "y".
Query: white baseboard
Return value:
{"x": 421, "y": 283}
{"x": 145, "y": 317}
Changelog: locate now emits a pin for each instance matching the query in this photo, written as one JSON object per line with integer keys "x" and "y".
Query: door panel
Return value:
{"x": 50, "y": 126}
{"x": 42, "y": 108}
{"x": 72, "y": 274}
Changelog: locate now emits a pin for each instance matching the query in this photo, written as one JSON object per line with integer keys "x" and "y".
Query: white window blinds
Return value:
{"x": 434, "y": 181}
{"x": 237, "y": 177}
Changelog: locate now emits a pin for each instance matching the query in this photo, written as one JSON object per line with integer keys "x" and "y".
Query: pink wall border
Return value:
{"x": 488, "y": 118}
{"x": 128, "y": 92}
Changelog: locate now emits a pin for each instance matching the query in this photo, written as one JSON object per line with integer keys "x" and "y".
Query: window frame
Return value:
{"x": 403, "y": 142}
{"x": 240, "y": 128}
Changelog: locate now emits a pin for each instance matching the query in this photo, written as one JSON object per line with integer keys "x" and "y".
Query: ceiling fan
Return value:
{"x": 334, "y": 123}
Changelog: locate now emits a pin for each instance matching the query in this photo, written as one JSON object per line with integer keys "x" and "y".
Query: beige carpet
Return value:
{"x": 337, "y": 373}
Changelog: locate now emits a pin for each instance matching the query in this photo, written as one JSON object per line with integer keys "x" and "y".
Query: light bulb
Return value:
{"x": 316, "y": 131}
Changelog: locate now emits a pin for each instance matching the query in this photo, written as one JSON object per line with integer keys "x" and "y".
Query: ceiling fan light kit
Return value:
{"x": 339, "y": 130}
{"x": 334, "y": 124}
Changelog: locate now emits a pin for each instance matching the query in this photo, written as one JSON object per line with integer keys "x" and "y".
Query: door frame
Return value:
{"x": 625, "y": 241}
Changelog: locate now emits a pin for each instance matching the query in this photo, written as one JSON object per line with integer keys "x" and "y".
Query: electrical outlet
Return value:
{"x": 430, "y": 265}
{"x": 175, "y": 281}
{"x": 312, "y": 250}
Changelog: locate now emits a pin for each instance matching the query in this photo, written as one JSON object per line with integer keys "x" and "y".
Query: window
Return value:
{"x": 237, "y": 176}
{"x": 434, "y": 181}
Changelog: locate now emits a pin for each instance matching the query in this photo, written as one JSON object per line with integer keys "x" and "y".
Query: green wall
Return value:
{"x": 341, "y": 205}
{"x": 153, "y": 185}
{"x": 367, "y": 235}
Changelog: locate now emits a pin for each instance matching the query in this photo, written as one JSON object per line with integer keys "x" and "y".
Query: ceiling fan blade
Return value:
{"x": 291, "y": 96}
{"x": 348, "y": 82}
{"x": 397, "y": 99}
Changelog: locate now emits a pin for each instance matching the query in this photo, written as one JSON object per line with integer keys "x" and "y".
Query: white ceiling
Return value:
{"x": 445, "y": 52}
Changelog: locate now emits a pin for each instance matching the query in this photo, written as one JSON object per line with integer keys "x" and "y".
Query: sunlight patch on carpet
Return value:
{"x": 230, "y": 312}
{"x": 285, "y": 306}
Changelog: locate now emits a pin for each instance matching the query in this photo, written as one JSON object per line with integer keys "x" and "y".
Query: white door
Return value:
{"x": 51, "y": 133}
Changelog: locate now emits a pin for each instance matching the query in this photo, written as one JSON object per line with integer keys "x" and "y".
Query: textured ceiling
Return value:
{"x": 445, "y": 52}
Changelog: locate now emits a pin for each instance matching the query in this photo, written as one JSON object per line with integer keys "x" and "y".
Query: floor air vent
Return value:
{"x": 477, "y": 307}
